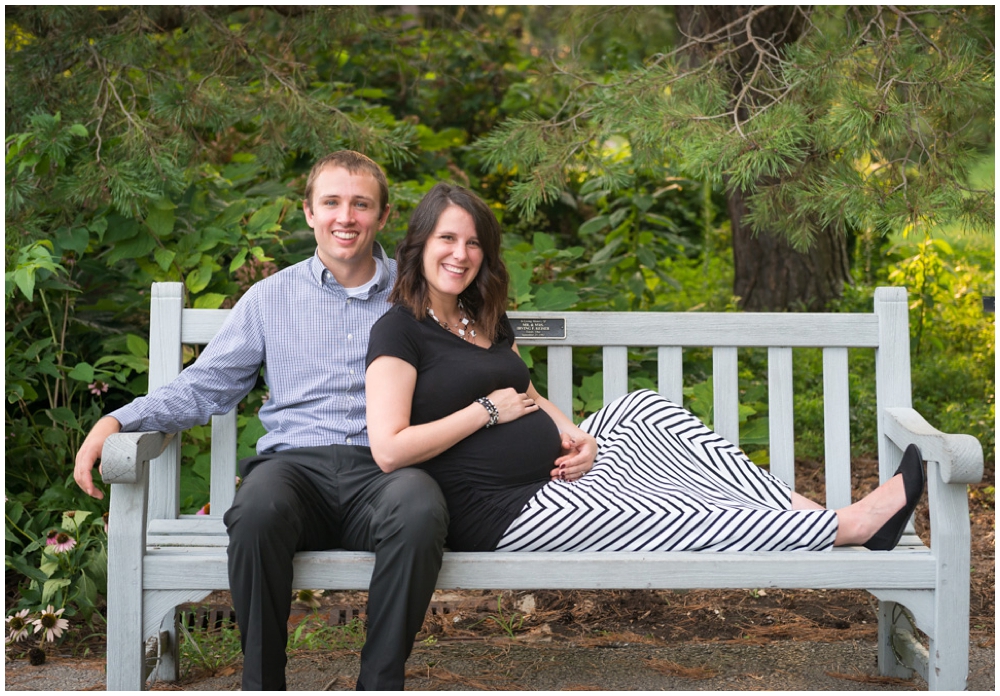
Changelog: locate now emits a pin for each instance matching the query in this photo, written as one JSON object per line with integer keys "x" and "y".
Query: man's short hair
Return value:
{"x": 355, "y": 163}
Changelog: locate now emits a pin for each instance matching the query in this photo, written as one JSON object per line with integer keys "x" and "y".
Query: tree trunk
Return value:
{"x": 769, "y": 273}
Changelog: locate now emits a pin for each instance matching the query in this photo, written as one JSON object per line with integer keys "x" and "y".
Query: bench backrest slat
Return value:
{"x": 781, "y": 421}
{"x": 615, "y": 373}
{"x": 726, "y": 401}
{"x": 892, "y": 365}
{"x": 223, "y": 484}
{"x": 685, "y": 329}
{"x": 836, "y": 428}
{"x": 670, "y": 372}
{"x": 201, "y": 325}
{"x": 165, "y": 362}
{"x": 700, "y": 329}
{"x": 560, "y": 359}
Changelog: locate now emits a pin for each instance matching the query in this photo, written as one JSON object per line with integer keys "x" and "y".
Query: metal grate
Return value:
{"x": 207, "y": 616}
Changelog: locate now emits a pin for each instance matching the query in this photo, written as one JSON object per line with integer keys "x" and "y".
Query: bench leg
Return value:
{"x": 162, "y": 622}
{"x": 948, "y": 652}
{"x": 169, "y": 658}
{"x": 126, "y": 546}
{"x": 888, "y": 664}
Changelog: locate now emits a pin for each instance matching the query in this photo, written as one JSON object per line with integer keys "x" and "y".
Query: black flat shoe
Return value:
{"x": 912, "y": 469}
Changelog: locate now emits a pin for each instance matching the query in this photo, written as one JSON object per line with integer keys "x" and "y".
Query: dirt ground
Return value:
{"x": 488, "y": 640}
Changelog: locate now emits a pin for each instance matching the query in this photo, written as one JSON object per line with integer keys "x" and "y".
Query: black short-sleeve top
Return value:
{"x": 489, "y": 476}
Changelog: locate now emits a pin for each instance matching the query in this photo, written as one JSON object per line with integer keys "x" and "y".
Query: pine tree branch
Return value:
{"x": 108, "y": 87}
{"x": 905, "y": 16}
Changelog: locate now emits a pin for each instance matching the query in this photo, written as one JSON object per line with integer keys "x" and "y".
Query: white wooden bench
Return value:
{"x": 160, "y": 559}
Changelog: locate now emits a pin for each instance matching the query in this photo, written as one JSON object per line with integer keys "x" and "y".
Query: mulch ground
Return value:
{"x": 657, "y": 617}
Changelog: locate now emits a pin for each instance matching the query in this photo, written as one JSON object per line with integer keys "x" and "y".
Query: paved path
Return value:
{"x": 502, "y": 665}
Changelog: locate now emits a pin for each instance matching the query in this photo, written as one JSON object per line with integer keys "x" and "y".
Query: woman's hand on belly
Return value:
{"x": 579, "y": 452}
{"x": 511, "y": 404}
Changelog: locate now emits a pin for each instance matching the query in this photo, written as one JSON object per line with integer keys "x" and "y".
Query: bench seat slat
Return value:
{"x": 180, "y": 541}
{"x": 211, "y": 525}
{"x": 841, "y": 569}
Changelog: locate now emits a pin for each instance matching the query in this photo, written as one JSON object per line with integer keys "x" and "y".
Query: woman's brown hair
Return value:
{"x": 485, "y": 300}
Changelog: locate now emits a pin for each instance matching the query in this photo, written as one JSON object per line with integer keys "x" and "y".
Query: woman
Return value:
{"x": 447, "y": 390}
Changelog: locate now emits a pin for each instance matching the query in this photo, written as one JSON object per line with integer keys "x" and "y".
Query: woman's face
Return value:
{"x": 452, "y": 254}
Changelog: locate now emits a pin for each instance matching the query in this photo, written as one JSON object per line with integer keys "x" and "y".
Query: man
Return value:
{"x": 313, "y": 484}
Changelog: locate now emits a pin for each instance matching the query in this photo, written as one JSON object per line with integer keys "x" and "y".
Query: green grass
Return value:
{"x": 215, "y": 648}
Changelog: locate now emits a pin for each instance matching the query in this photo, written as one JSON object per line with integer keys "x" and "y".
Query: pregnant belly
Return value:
{"x": 510, "y": 454}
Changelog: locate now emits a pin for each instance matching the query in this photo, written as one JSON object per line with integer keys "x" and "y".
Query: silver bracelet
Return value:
{"x": 490, "y": 409}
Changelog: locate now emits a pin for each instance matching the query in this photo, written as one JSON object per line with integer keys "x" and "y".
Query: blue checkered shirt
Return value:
{"x": 311, "y": 338}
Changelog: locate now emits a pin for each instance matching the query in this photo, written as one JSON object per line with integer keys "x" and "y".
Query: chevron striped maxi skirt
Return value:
{"x": 663, "y": 481}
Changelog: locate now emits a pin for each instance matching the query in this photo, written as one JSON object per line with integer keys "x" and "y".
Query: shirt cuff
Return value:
{"x": 129, "y": 417}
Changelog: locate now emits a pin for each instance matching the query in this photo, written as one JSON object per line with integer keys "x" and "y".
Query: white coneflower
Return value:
{"x": 50, "y": 625}
{"x": 17, "y": 625}
{"x": 308, "y": 597}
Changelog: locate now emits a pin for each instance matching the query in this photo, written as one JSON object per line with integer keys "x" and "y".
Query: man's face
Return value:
{"x": 345, "y": 218}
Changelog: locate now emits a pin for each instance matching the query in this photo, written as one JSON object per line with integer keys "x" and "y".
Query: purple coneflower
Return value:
{"x": 50, "y": 625}
{"x": 62, "y": 542}
{"x": 17, "y": 625}
{"x": 97, "y": 388}
{"x": 205, "y": 509}
{"x": 50, "y": 538}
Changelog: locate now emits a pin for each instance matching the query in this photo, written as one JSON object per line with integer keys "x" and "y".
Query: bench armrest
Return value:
{"x": 124, "y": 453}
{"x": 960, "y": 456}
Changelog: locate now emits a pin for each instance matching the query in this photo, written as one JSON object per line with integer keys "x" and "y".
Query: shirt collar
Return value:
{"x": 321, "y": 273}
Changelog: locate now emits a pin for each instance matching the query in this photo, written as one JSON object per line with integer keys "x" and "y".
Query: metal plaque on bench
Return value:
{"x": 534, "y": 327}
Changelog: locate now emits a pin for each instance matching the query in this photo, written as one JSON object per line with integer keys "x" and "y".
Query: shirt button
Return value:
{"x": 352, "y": 372}
{"x": 349, "y": 337}
{"x": 348, "y": 302}
{"x": 348, "y": 440}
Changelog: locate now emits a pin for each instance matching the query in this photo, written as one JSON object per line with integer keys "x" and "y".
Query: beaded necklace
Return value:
{"x": 463, "y": 329}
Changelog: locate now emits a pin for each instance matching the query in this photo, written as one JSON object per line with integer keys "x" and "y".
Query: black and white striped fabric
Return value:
{"x": 665, "y": 482}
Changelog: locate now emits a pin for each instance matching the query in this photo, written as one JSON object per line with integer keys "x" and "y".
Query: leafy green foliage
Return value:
{"x": 171, "y": 144}
{"x": 66, "y": 565}
{"x": 871, "y": 119}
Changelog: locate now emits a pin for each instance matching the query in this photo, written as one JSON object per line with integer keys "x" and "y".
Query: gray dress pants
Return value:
{"x": 318, "y": 498}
